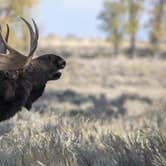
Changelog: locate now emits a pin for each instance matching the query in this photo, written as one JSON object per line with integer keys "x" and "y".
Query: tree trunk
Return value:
{"x": 132, "y": 44}
{"x": 158, "y": 18}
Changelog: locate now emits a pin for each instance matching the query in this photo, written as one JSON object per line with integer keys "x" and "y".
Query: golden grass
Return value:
{"x": 103, "y": 112}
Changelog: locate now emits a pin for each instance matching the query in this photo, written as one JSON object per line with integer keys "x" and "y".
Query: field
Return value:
{"x": 102, "y": 112}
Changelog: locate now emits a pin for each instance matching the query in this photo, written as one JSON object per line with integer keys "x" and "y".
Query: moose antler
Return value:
{"x": 3, "y": 49}
{"x": 33, "y": 39}
{"x": 14, "y": 59}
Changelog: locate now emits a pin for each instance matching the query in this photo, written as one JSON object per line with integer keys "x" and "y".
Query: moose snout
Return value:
{"x": 61, "y": 64}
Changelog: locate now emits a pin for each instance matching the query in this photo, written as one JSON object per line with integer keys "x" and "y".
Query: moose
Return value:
{"x": 23, "y": 78}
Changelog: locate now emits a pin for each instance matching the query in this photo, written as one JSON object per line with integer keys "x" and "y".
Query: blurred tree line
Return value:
{"x": 10, "y": 10}
{"x": 121, "y": 19}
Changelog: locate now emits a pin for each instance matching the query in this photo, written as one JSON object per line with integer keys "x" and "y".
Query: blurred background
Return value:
{"x": 109, "y": 106}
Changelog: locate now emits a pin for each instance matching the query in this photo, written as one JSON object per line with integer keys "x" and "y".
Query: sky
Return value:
{"x": 71, "y": 17}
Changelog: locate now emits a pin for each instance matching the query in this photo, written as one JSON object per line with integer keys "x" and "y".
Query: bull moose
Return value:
{"x": 22, "y": 77}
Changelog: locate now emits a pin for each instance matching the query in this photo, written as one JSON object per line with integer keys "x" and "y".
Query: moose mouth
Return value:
{"x": 57, "y": 74}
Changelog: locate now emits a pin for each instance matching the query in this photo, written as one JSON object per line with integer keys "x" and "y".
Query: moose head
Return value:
{"x": 23, "y": 77}
{"x": 11, "y": 59}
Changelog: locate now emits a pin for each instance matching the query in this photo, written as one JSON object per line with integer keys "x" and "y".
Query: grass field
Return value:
{"x": 102, "y": 112}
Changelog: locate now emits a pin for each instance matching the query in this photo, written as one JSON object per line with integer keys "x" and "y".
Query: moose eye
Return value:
{"x": 29, "y": 69}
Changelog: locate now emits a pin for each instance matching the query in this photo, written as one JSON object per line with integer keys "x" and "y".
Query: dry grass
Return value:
{"x": 34, "y": 139}
{"x": 103, "y": 112}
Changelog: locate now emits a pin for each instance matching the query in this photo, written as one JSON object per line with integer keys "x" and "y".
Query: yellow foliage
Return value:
{"x": 11, "y": 10}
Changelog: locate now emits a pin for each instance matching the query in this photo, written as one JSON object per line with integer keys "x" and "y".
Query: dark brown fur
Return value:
{"x": 22, "y": 88}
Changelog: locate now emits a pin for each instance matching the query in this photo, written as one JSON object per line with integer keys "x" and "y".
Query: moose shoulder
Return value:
{"x": 23, "y": 79}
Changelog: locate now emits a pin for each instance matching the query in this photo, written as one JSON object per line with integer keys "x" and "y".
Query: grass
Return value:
{"x": 113, "y": 114}
{"x": 34, "y": 139}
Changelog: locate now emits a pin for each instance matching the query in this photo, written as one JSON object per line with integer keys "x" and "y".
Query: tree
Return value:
{"x": 10, "y": 10}
{"x": 112, "y": 17}
{"x": 133, "y": 10}
{"x": 157, "y": 23}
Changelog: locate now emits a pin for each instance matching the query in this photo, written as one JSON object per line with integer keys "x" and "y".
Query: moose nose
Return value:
{"x": 61, "y": 64}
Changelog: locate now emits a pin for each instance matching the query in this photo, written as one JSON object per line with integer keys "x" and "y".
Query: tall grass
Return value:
{"x": 34, "y": 139}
